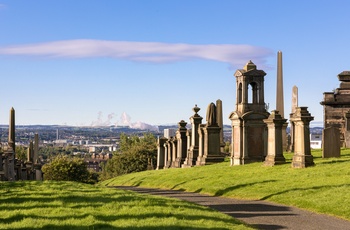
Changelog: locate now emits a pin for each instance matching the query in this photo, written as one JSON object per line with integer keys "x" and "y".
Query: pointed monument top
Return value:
{"x": 249, "y": 66}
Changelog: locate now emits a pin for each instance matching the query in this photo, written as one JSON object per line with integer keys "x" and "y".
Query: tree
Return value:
{"x": 65, "y": 168}
{"x": 135, "y": 154}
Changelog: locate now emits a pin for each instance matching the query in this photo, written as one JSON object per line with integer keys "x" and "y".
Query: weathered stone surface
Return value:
{"x": 275, "y": 124}
{"x": 335, "y": 107}
{"x": 302, "y": 152}
{"x": 331, "y": 142}
{"x": 248, "y": 129}
{"x": 161, "y": 157}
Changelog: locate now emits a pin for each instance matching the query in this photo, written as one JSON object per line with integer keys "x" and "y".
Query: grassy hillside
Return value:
{"x": 70, "y": 205}
{"x": 324, "y": 188}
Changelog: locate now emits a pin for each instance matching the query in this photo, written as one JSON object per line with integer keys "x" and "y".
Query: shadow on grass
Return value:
{"x": 108, "y": 226}
{"x": 303, "y": 189}
{"x": 229, "y": 189}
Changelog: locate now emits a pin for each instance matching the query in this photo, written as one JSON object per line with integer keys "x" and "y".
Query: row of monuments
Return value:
{"x": 200, "y": 145}
{"x": 11, "y": 168}
{"x": 257, "y": 135}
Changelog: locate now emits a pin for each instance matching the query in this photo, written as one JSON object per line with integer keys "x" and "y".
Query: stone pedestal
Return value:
{"x": 302, "y": 153}
{"x": 192, "y": 153}
{"x": 168, "y": 154}
{"x": 173, "y": 143}
{"x": 275, "y": 124}
{"x": 181, "y": 148}
{"x": 211, "y": 146}
{"x": 161, "y": 158}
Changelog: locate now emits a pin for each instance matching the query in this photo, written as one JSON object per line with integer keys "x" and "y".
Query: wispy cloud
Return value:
{"x": 155, "y": 52}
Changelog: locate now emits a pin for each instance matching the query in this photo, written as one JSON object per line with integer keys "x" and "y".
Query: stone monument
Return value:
{"x": 248, "y": 128}
{"x": 331, "y": 142}
{"x": 161, "y": 157}
{"x": 275, "y": 124}
{"x": 192, "y": 153}
{"x": 280, "y": 98}
{"x": 181, "y": 144}
{"x": 210, "y": 139}
{"x": 294, "y": 107}
{"x": 336, "y": 106}
{"x": 302, "y": 153}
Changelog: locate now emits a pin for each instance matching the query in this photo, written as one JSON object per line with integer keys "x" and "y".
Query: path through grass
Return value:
{"x": 323, "y": 188}
{"x": 70, "y": 205}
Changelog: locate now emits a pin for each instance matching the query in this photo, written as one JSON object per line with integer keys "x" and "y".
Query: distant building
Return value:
{"x": 315, "y": 141}
{"x": 169, "y": 133}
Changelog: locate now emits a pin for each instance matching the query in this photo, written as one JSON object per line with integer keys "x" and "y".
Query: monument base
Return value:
{"x": 302, "y": 161}
{"x": 243, "y": 161}
{"x": 211, "y": 159}
{"x": 271, "y": 160}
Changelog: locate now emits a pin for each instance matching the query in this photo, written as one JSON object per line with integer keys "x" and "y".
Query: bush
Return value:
{"x": 136, "y": 154}
{"x": 64, "y": 168}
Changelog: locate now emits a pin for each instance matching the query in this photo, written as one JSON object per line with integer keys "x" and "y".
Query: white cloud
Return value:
{"x": 156, "y": 52}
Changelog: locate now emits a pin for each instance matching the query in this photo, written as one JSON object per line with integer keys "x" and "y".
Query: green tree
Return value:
{"x": 21, "y": 152}
{"x": 65, "y": 168}
{"x": 135, "y": 154}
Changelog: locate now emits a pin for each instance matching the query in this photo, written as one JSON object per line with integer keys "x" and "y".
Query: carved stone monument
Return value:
{"x": 280, "y": 98}
{"x": 192, "y": 153}
{"x": 294, "y": 107}
{"x": 248, "y": 128}
{"x": 336, "y": 105}
{"x": 331, "y": 142}
{"x": 302, "y": 152}
{"x": 161, "y": 158}
{"x": 275, "y": 124}
{"x": 210, "y": 140}
{"x": 181, "y": 144}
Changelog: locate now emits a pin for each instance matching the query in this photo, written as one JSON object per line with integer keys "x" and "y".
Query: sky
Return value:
{"x": 136, "y": 62}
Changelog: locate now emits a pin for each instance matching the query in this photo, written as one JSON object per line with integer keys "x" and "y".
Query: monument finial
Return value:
{"x": 249, "y": 66}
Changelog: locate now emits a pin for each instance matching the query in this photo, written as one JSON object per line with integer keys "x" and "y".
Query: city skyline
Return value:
{"x": 136, "y": 63}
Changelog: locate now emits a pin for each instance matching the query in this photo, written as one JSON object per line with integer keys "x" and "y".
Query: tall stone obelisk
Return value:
{"x": 280, "y": 98}
{"x": 11, "y": 140}
{"x": 279, "y": 93}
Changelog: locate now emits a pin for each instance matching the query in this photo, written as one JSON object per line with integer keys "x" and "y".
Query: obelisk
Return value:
{"x": 11, "y": 140}
{"x": 294, "y": 108}
{"x": 36, "y": 148}
{"x": 280, "y": 98}
{"x": 279, "y": 93}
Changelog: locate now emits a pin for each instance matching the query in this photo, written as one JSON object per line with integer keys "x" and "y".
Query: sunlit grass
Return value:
{"x": 70, "y": 205}
{"x": 323, "y": 188}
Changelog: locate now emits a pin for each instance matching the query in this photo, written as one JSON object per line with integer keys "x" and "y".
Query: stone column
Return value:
{"x": 219, "y": 117}
{"x": 12, "y": 134}
{"x": 294, "y": 107}
{"x": 200, "y": 144}
{"x": 275, "y": 124}
{"x": 36, "y": 148}
{"x": 302, "y": 152}
{"x": 192, "y": 155}
{"x": 161, "y": 153}
{"x": 173, "y": 142}
{"x": 181, "y": 144}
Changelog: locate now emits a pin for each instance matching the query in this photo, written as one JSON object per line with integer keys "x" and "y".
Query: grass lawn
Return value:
{"x": 323, "y": 188}
{"x": 70, "y": 205}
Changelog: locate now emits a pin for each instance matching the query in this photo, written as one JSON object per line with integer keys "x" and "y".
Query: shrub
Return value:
{"x": 64, "y": 168}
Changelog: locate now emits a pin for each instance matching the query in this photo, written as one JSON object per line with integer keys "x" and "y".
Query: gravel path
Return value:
{"x": 259, "y": 214}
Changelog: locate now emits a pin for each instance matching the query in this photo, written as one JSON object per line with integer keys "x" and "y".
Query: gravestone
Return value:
{"x": 210, "y": 139}
{"x": 275, "y": 124}
{"x": 249, "y": 131}
{"x": 161, "y": 158}
{"x": 331, "y": 142}
{"x": 192, "y": 153}
{"x": 302, "y": 152}
{"x": 294, "y": 107}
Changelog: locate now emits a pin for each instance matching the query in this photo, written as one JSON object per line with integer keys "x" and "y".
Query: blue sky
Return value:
{"x": 118, "y": 62}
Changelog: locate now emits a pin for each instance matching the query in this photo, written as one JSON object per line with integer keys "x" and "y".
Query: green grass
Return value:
{"x": 323, "y": 188}
{"x": 70, "y": 205}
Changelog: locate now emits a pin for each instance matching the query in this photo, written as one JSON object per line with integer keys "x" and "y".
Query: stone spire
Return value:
{"x": 11, "y": 139}
{"x": 279, "y": 93}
